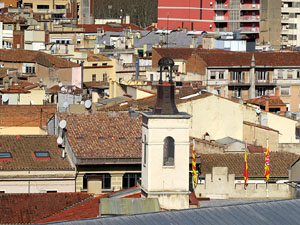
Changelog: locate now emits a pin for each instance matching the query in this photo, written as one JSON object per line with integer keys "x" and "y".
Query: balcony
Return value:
{"x": 238, "y": 83}
{"x": 284, "y": 18}
{"x": 249, "y": 30}
{"x": 223, "y": 29}
{"x": 250, "y": 7}
{"x": 250, "y": 18}
{"x": 221, "y": 19}
{"x": 265, "y": 83}
{"x": 221, "y": 7}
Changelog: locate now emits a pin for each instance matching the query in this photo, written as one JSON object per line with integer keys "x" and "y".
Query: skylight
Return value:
{"x": 40, "y": 155}
{"x": 5, "y": 155}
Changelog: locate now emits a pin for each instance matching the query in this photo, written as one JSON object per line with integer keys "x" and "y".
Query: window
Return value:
{"x": 27, "y": 5}
{"x": 221, "y": 75}
{"x": 145, "y": 150}
{"x": 9, "y": 27}
{"x": 51, "y": 191}
{"x": 94, "y": 77}
{"x": 260, "y": 91}
{"x": 104, "y": 64}
{"x": 105, "y": 77}
{"x": 238, "y": 76}
{"x": 212, "y": 75}
{"x": 106, "y": 181}
{"x": 288, "y": 107}
{"x": 60, "y": 6}
{"x": 5, "y": 156}
{"x": 130, "y": 179}
{"x": 169, "y": 149}
{"x": 298, "y": 74}
{"x": 290, "y": 74}
{"x": 262, "y": 75}
{"x": 280, "y": 74}
{"x": 285, "y": 90}
{"x": 30, "y": 69}
{"x": 42, "y": 6}
{"x": 95, "y": 64}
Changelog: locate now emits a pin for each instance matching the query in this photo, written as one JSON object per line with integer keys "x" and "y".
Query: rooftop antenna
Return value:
{"x": 59, "y": 140}
{"x": 60, "y": 84}
{"x": 63, "y": 89}
{"x": 62, "y": 124}
{"x": 66, "y": 105}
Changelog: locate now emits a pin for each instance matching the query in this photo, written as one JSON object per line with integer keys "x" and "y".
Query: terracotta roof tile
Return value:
{"x": 29, "y": 208}
{"x": 92, "y": 28}
{"x": 261, "y": 101}
{"x": 279, "y": 163}
{"x": 84, "y": 210}
{"x": 104, "y": 135}
{"x": 25, "y": 115}
{"x": 255, "y": 149}
{"x": 47, "y": 60}
{"x": 22, "y": 149}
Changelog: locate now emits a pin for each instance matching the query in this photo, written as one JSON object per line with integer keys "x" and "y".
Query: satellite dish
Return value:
{"x": 60, "y": 84}
{"x": 66, "y": 104}
{"x": 59, "y": 140}
{"x": 31, "y": 102}
{"x": 63, "y": 89}
{"x": 5, "y": 97}
{"x": 258, "y": 111}
{"x": 62, "y": 124}
{"x": 82, "y": 102}
{"x": 88, "y": 104}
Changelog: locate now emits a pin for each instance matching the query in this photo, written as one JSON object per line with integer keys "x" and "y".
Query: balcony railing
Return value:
{"x": 250, "y": 6}
{"x": 221, "y": 7}
{"x": 250, "y": 29}
{"x": 238, "y": 82}
{"x": 249, "y": 18}
{"x": 221, "y": 18}
{"x": 224, "y": 29}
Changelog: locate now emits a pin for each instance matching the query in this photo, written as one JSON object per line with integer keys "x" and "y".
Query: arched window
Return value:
{"x": 169, "y": 149}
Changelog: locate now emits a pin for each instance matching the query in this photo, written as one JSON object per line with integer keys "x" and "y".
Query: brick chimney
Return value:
{"x": 267, "y": 105}
{"x": 277, "y": 92}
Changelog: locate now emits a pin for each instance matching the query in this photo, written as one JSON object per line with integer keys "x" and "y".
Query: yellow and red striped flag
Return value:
{"x": 194, "y": 165}
{"x": 246, "y": 172}
{"x": 267, "y": 163}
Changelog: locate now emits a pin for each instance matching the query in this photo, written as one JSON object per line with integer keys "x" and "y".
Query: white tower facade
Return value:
{"x": 166, "y": 154}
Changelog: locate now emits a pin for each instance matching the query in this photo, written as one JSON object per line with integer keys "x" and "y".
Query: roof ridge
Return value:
{"x": 68, "y": 207}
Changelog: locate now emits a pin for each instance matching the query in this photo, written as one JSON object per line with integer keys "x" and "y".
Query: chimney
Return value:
{"x": 267, "y": 105}
{"x": 165, "y": 102}
{"x": 277, "y": 92}
{"x": 94, "y": 184}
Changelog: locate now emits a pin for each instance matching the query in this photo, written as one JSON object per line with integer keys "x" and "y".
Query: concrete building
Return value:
{"x": 290, "y": 22}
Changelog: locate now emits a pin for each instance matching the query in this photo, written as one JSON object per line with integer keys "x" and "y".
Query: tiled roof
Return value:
{"x": 96, "y": 84}
{"x": 92, "y": 28}
{"x": 84, "y": 210}
{"x": 11, "y": 18}
{"x": 259, "y": 126}
{"x": 147, "y": 104}
{"x": 96, "y": 57}
{"x": 255, "y": 149}
{"x": 104, "y": 135}
{"x": 47, "y": 60}
{"x": 279, "y": 163}
{"x": 55, "y": 89}
{"x": 261, "y": 101}
{"x": 176, "y": 53}
{"x": 22, "y": 87}
{"x": 22, "y": 149}
{"x": 25, "y": 115}
{"x": 30, "y": 208}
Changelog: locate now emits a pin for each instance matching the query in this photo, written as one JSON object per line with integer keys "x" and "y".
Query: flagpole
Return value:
{"x": 194, "y": 166}
{"x": 246, "y": 171}
{"x": 267, "y": 165}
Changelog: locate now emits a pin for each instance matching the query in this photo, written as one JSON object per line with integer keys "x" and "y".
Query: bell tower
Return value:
{"x": 165, "y": 153}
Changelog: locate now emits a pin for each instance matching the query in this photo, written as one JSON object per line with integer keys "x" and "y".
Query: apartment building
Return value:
{"x": 58, "y": 8}
{"x": 213, "y": 16}
{"x": 290, "y": 22}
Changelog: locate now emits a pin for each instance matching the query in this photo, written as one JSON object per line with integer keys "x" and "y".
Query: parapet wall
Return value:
{"x": 221, "y": 185}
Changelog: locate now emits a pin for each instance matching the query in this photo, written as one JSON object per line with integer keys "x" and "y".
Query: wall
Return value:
{"x": 76, "y": 76}
{"x": 37, "y": 96}
{"x": 22, "y": 131}
{"x": 252, "y": 133}
{"x": 221, "y": 185}
{"x": 289, "y": 147}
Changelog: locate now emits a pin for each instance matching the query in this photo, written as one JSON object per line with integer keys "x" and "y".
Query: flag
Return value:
{"x": 246, "y": 173}
{"x": 267, "y": 163}
{"x": 194, "y": 165}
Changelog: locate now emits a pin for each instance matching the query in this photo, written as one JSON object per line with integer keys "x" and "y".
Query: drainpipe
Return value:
{"x": 81, "y": 64}
{"x": 137, "y": 68}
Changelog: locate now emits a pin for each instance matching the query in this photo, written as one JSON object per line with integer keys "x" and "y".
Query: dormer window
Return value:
{"x": 5, "y": 156}
{"x": 42, "y": 155}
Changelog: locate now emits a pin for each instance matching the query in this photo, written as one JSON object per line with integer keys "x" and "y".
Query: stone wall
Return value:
{"x": 289, "y": 147}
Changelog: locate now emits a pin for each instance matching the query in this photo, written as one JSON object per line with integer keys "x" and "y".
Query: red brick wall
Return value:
{"x": 18, "y": 38}
{"x": 26, "y": 115}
